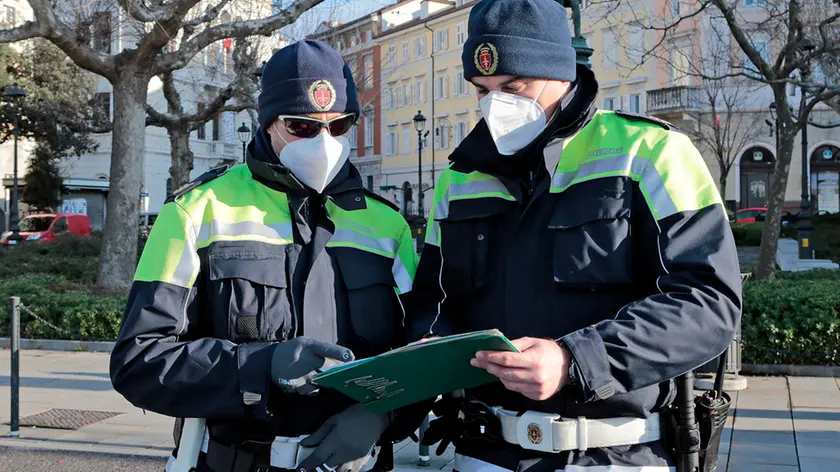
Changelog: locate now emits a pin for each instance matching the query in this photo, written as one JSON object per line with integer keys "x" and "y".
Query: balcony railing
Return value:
{"x": 674, "y": 99}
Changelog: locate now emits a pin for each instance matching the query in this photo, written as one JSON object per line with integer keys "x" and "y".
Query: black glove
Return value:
{"x": 345, "y": 441}
{"x": 447, "y": 428}
{"x": 295, "y": 362}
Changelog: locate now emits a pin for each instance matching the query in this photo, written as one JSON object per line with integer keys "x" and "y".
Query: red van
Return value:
{"x": 45, "y": 227}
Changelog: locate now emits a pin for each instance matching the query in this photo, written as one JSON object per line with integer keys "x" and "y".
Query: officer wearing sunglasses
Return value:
{"x": 256, "y": 278}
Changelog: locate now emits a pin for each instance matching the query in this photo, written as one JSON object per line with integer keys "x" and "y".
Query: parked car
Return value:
{"x": 47, "y": 226}
{"x": 147, "y": 220}
{"x": 752, "y": 215}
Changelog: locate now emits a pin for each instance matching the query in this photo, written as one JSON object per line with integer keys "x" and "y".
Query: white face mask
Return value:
{"x": 315, "y": 161}
{"x": 514, "y": 121}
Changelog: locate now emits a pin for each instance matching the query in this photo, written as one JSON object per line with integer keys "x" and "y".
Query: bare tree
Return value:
{"x": 773, "y": 43}
{"x": 155, "y": 25}
{"x": 180, "y": 123}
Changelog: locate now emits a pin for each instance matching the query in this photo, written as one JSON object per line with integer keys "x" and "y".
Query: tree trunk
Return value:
{"x": 119, "y": 245}
{"x": 722, "y": 183}
{"x": 772, "y": 226}
{"x": 181, "y": 156}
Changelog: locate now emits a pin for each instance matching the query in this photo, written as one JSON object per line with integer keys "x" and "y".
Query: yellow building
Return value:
{"x": 421, "y": 70}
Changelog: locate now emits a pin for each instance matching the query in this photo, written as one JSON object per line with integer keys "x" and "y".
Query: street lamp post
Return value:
{"x": 15, "y": 95}
{"x": 805, "y": 225}
{"x": 244, "y": 137}
{"x": 420, "y": 125}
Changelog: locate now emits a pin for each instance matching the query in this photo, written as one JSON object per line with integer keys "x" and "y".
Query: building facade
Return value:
{"x": 422, "y": 74}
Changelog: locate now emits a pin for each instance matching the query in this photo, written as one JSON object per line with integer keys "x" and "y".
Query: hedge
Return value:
{"x": 76, "y": 309}
{"x": 794, "y": 319}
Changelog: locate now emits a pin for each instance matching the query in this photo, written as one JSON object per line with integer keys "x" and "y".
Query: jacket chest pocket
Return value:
{"x": 466, "y": 239}
{"x": 250, "y": 296}
{"x": 371, "y": 295}
{"x": 592, "y": 245}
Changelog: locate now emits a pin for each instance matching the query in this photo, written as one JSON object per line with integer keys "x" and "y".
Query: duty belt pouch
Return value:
{"x": 248, "y": 456}
{"x": 711, "y": 411}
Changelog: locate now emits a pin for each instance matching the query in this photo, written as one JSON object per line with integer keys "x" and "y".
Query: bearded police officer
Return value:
{"x": 596, "y": 240}
{"x": 254, "y": 278}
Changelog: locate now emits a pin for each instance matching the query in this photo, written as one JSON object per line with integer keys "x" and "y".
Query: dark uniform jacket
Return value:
{"x": 248, "y": 257}
{"x": 607, "y": 233}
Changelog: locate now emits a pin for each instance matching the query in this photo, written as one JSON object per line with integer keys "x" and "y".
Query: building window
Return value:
{"x": 102, "y": 101}
{"x": 102, "y": 32}
{"x": 354, "y": 41}
{"x": 353, "y": 137}
{"x": 675, "y": 7}
{"x": 635, "y": 103}
{"x": 680, "y": 66}
{"x": 460, "y": 132}
{"x": 460, "y": 33}
{"x": 762, "y": 45}
{"x": 368, "y": 36}
{"x": 420, "y": 46}
{"x": 368, "y": 72}
{"x": 462, "y": 87}
{"x": 392, "y": 53}
{"x": 441, "y": 136}
{"x": 635, "y": 45}
{"x": 609, "y": 56}
{"x": 387, "y": 99}
{"x": 417, "y": 85}
{"x": 750, "y": 3}
{"x": 217, "y": 121}
{"x": 339, "y": 46}
{"x": 405, "y": 51}
{"x": 403, "y": 95}
{"x": 609, "y": 103}
{"x": 368, "y": 125}
{"x": 406, "y": 140}
{"x": 441, "y": 86}
{"x": 441, "y": 42}
{"x": 391, "y": 142}
{"x": 422, "y": 90}
{"x": 9, "y": 16}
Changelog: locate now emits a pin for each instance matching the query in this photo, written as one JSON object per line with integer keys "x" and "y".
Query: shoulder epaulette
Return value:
{"x": 648, "y": 119}
{"x": 382, "y": 199}
{"x": 200, "y": 180}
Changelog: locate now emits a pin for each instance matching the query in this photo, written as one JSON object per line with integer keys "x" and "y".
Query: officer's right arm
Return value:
{"x": 160, "y": 361}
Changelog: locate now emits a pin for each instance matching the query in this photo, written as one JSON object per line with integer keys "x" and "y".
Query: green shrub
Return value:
{"x": 74, "y": 308}
{"x": 794, "y": 319}
{"x": 747, "y": 234}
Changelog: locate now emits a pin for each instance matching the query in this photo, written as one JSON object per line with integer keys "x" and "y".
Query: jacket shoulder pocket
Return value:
{"x": 249, "y": 293}
{"x": 371, "y": 295}
{"x": 592, "y": 245}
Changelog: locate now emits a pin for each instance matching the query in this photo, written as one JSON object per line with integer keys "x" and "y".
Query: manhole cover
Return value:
{"x": 66, "y": 419}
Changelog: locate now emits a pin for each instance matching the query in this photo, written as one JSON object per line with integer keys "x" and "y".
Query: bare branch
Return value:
{"x": 156, "y": 118}
{"x": 63, "y": 37}
{"x": 209, "y": 16}
{"x": 728, "y": 11}
{"x": 235, "y": 29}
{"x": 139, "y": 11}
{"x": 28, "y": 30}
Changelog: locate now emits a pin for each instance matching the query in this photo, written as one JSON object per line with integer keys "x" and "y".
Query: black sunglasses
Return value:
{"x": 305, "y": 127}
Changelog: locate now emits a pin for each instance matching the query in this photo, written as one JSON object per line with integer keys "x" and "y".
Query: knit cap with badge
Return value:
{"x": 527, "y": 38}
{"x": 306, "y": 77}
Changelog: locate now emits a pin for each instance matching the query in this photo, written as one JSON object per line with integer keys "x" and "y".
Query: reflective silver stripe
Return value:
{"x": 401, "y": 276}
{"x": 474, "y": 187}
{"x": 387, "y": 246}
{"x": 219, "y": 228}
{"x": 432, "y": 233}
{"x": 627, "y": 164}
{"x": 183, "y": 274}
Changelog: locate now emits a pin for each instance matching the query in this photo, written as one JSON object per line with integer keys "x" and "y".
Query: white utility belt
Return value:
{"x": 551, "y": 433}
{"x": 286, "y": 452}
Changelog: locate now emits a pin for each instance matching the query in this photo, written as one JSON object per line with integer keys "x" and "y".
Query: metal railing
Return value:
{"x": 682, "y": 98}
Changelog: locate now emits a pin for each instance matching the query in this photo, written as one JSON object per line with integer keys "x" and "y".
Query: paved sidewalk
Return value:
{"x": 779, "y": 424}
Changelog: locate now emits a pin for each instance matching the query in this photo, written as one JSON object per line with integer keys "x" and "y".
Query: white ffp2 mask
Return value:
{"x": 315, "y": 161}
{"x": 514, "y": 121}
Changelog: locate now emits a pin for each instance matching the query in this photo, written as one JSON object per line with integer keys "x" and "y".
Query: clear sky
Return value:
{"x": 341, "y": 10}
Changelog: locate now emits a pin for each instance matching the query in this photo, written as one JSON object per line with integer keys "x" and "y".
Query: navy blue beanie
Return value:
{"x": 306, "y": 77}
{"x": 528, "y": 38}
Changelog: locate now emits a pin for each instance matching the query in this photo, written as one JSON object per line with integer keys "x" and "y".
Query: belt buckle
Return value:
{"x": 535, "y": 431}
{"x": 481, "y": 423}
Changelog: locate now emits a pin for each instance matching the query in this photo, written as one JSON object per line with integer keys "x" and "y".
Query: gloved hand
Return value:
{"x": 295, "y": 362}
{"x": 345, "y": 441}
{"x": 447, "y": 428}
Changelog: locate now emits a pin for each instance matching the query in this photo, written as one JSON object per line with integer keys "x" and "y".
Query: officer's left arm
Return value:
{"x": 406, "y": 420}
{"x": 684, "y": 233}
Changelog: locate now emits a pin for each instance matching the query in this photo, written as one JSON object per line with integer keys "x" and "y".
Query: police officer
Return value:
{"x": 595, "y": 240}
{"x": 257, "y": 277}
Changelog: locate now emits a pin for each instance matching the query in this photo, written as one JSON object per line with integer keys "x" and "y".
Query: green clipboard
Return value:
{"x": 416, "y": 372}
